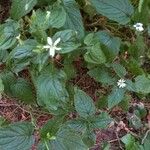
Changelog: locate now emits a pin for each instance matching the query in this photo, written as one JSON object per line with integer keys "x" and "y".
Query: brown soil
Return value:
{"x": 4, "y": 10}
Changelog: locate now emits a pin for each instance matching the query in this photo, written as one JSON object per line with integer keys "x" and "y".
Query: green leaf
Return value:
{"x": 64, "y": 140}
{"x": 69, "y": 41}
{"x": 101, "y": 75}
{"x": 50, "y": 128}
{"x": 115, "y": 97}
{"x": 17, "y": 136}
{"x": 76, "y": 125}
{"x": 113, "y": 43}
{"x": 22, "y": 90}
{"x": 3, "y": 56}
{"x": 8, "y": 79}
{"x": 119, "y": 69}
{"x": 51, "y": 91}
{"x": 73, "y": 18}
{"x": 146, "y": 142}
{"x": 20, "y": 8}
{"x": 21, "y": 56}
{"x": 23, "y": 51}
{"x": 54, "y": 17}
{"x": 101, "y": 121}
{"x": 95, "y": 55}
{"x": 130, "y": 143}
{"x": 84, "y": 104}
{"x": 142, "y": 84}
{"x": 90, "y": 39}
{"x": 117, "y": 10}
{"x": 8, "y": 33}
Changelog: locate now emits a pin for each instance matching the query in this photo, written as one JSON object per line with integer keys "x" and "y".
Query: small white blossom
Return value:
{"x": 139, "y": 27}
{"x": 52, "y": 46}
{"x": 48, "y": 13}
{"x": 18, "y": 37}
{"x": 121, "y": 83}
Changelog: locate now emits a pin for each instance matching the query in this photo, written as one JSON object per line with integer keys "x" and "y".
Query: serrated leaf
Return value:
{"x": 95, "y": 55}
{"x": 64, "y": 140}
{"x": 119, "y": 69}
{"x": 8, "y": 79}
{"x": 3, "y": 56}
{"x": 50, "y": 128}
{"x": 51, "y": 91}
{"x": 76, "y": 125}
{"x": 101, "y": 121}
{"x": 73, "y": 18}
{"x": 8, "y": 33}
{"x": 84, "y": 104}
{"x": 20, "y": 8}
{"x": 115, "y": 97}
{"x": 130, "y": 143}
{"x": 101, "y": 75}
{"x": 142, "y": 84}
{"x": 17, "y": 136}
{"x": 117, "y": 10}
{"x": 69, "y": 41}
{"x": 54, "y": 17}
{"x": 113, "y": 43}
{"x": 22, "y": 90}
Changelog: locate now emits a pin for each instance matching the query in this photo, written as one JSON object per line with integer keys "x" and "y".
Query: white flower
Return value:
{"x": 138, "y": 27}
{"x": 52, "y": 46}
{"x": 121, "y": 83}
{"x": 18, "y": 37}
{"x": 48, "y": 13}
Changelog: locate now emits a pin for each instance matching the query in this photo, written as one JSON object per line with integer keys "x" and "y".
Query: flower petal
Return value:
{"x": 52, "y": 52}
{"x": 57, "y": 48}
{"x": 46, "y": 46}
{"x": 57, "y": 41}
{"x": 49, "y": 41}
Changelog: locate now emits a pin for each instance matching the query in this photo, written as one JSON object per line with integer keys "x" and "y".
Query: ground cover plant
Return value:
{"x": 47, "y": 47}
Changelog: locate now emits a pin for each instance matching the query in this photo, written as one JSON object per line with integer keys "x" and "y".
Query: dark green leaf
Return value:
{"x": 17, "y": 136}
{"x": 113, "y": 43}
{"x": 142, "y": 84}
{"x": 119, "y": 69}
{"x": 115, "y": 97}
{"x": 84, "y": 104}
{"x": 102, "y": 121}
{"x": 117, "y": 10}
{"x": 51, "y": 91}
{"x": 20, "y": 8}
{"x": 95, "y": 55}
{"x": 69, "y": 41}
{"x": 73, "y": 18}
{"x": 101, "y": 75}
{"x": 8, "y": 33}
{"x": 64, "y": 140}
{"x": 22, "y": 90}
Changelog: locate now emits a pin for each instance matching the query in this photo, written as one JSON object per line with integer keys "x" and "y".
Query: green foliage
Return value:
{"x": 84, "y": 104}
{"x": 115, "y": 97}
{"x": 17, "y": 136}
{"x": 95, "y": 38}
{"x": 73, "y": 17}
{"x": 119, "y": 11}
{"x": 21, "y": 8}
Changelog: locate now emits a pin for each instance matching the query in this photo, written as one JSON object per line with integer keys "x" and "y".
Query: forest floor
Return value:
{"x": 13, "y": 110}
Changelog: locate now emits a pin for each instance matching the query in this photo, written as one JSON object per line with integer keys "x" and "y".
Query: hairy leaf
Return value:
{"x": 17, "y": 136}
{"x": 117, "y": 10}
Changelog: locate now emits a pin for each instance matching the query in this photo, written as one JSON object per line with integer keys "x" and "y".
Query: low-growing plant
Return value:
{"x": 44, "y": 38}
